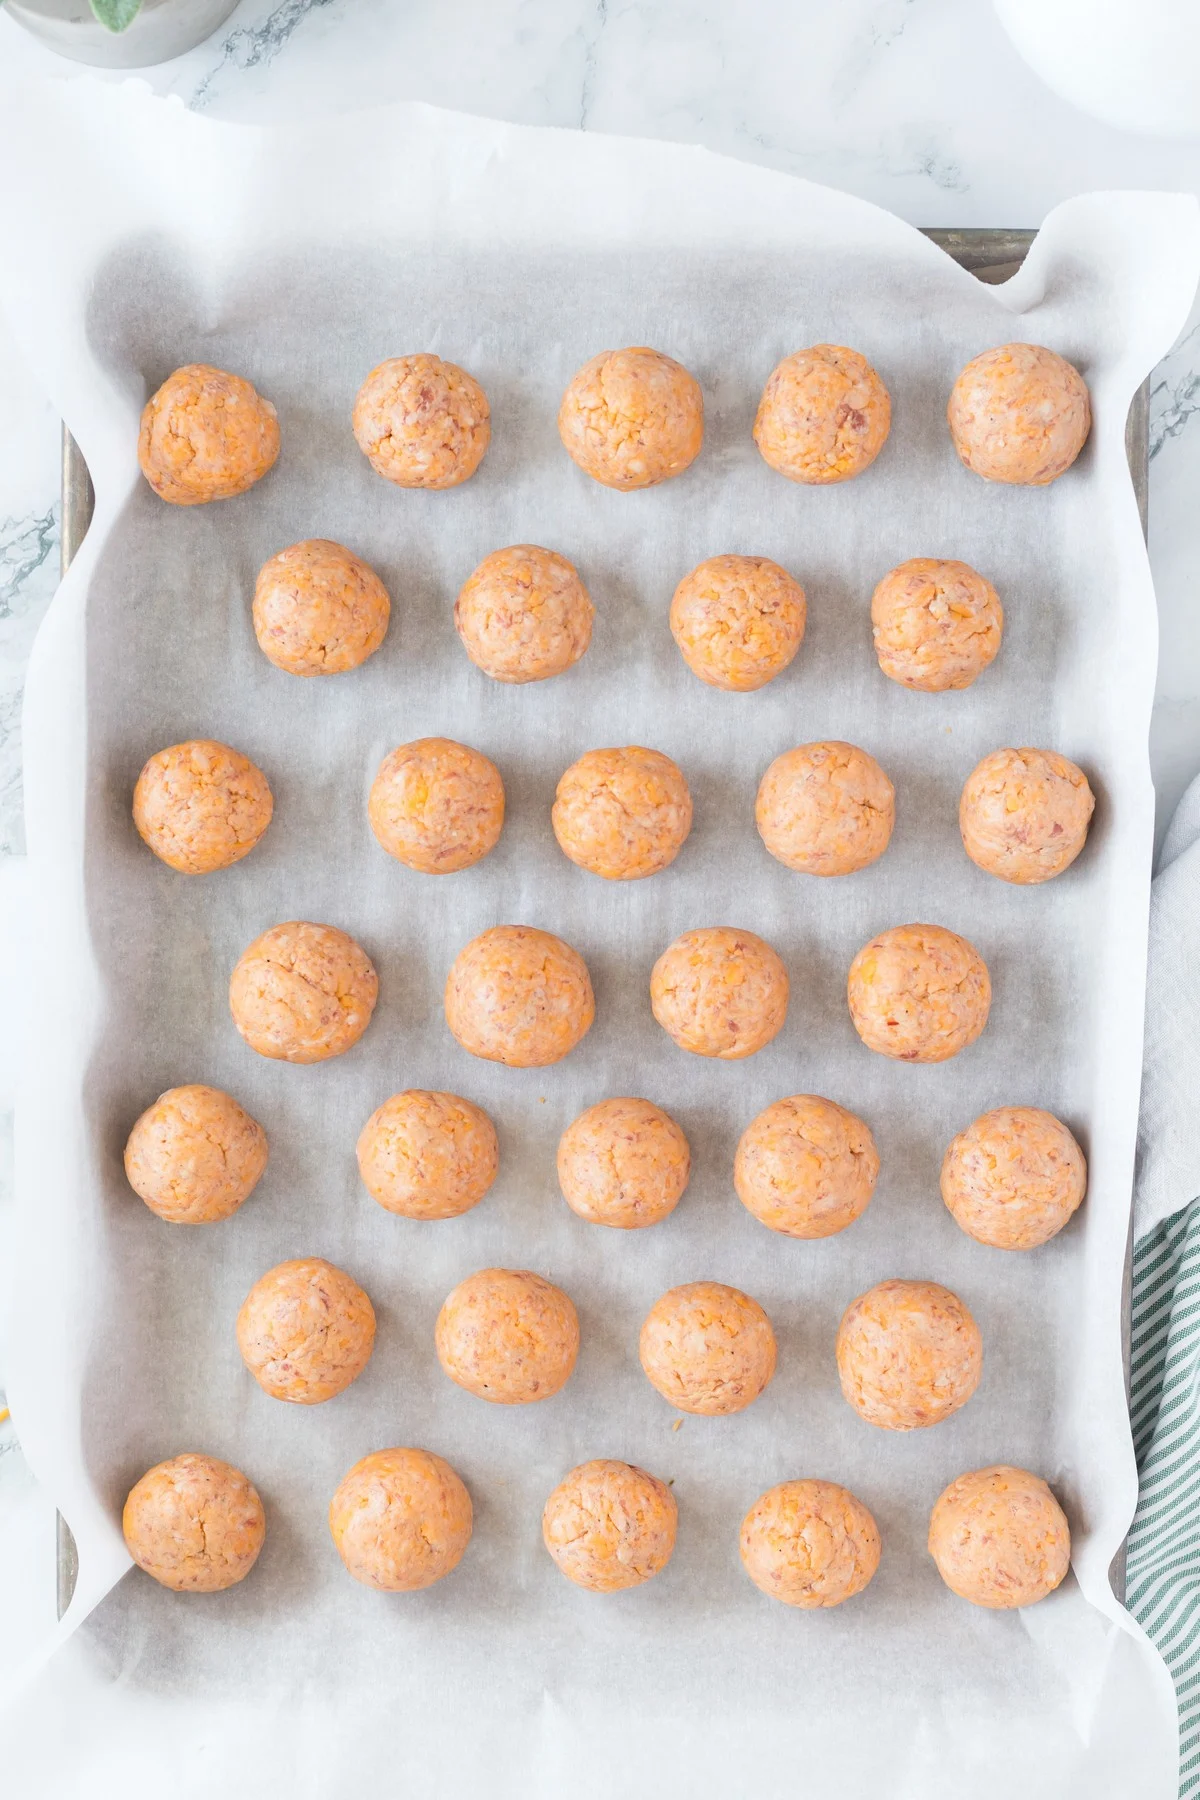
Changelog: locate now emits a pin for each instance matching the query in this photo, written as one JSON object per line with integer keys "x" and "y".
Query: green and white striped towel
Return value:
{"x": 1163, "y": 1563}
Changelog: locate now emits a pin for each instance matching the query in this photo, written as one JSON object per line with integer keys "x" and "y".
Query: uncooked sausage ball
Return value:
{"x": 824, "y": 415}
{"x": 999, "y": 1538}
{"x": 305, "y": 1331}
{"x": 422, "y": 422}
{"x": 206, "y": 435}
{"x": 720, "y": 992}
{"x": 400, "y": 1520}
{"x": 809, "y": 1543}
{"x": 623, "y": 1162}
{"x": 195, "y": 1155}
{"x": 1014, "y": 1177}
{"x": 937, "y": 624}
{"x": 524, "y": 615}
{"x": 428, "y": 1156}
{"x": 201, "y": 806}
{"x": 610, "y": 1526}
{"x": 806, "y": 1167}
{"x": 437, "y": 806}
{"x": 631, "y": 418}
{"x": 319, "y": 609}
{"x": 707, "y": 1348}
{"x": 1019, "y": 414}
{"x": 301, "y": 992}
{"x": 919, "y": 993}
{"x": 508, "y": 1336}
{"x": 519, "y": 996}
{"x": 622, "y": 814}
{"x": 1024, "y": 814}
{"x": 825, "y": 809}
{"x": 908, "y": 1354}
{"x": 738, "y": 621}
{"x": 195, "y": 1524}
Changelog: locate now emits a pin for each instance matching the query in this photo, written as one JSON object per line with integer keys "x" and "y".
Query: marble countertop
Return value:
{"x": 922, "y": 106}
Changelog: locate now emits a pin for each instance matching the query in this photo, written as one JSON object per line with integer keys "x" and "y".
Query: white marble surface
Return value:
{"x": 919, "y": 105}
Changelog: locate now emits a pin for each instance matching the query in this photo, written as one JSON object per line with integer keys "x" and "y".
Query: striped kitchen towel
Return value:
{"x": 1163, "y": 1563}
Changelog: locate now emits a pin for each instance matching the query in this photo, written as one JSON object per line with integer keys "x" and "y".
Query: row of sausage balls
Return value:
{"x": 303, "y": 992}
{"x": 629, "y": 418}
{"x": 401, "y": 1520}
{"x": 624, "y": 813}
{"x": 805, "y": 1167}
{"x": 525, "y": 615}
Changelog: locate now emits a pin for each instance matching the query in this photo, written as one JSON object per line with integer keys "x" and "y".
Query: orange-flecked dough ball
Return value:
{"x": 720, "y": 992}
{"x": 806, "y": 1167}
{"x": 631, "y": 418}
{"x": 428, "y": 1156}
{"x": 909, "y": 1354}
{"x": 809, "y": 1543}
{"x": 1000, "y": 1538}
{"x": 825, "y": 809}
{"x": 936, "y": 624}
{"x": 919, "y": 993}
{"x": 1024, "y": 814}
{"x": 524, "y": 615}
{"x": 195, "y": 1155}
{"x": 400, "y": 1520}
{"x": 305, "y": 1331}
{"x": 206, "y": 435}
{"x": 623, "y": 1162}
{"x": 437, "y": 806}
{"x": 519, "y": 996}
{"x": 195, "y": 1524}
{"x": 622, "y": 814}
{"x": 422, "y": 422}
{"x": 507, "y": 1335}
{"x": 1014, "y": 1177}
{"x": 738, "y": 621}
{"x": 610, "y": 1526}
{"x": 201, "y": 806}
{"x": 319, "y": 609}
{"x": 824, "y": 415}
{"x": 301, "y": 992}
{"x": 1019, "y": 414}
{"x": 707, "y": 1348}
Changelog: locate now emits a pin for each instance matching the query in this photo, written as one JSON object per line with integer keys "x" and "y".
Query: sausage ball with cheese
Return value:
{"x": 508, "y": 1335}
{"x": 195, "y": 1524}
{"x": 1024, "y": 814}
{"x": 632, "y": 418}
{"x": 1019, "y": 414}
{"x": 201, "y": 806}
{"x": 421, "y": 422}
{"x": 908, "y": 1354}
{"x": 825, "y": 809}
{"x": 738, "y": 621}
{"x": 206, "y": 435}
{"x": 437, "y": 806}
{"x": 999, "y": 1538}
{"x": 919, "y": 993}
{"x": 824, "y": 415}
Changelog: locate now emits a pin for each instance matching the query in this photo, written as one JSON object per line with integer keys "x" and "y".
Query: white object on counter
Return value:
{"x": 1134, "y": 64}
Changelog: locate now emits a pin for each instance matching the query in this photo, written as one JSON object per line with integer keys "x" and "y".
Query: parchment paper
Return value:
{"x": 300, "y": 259}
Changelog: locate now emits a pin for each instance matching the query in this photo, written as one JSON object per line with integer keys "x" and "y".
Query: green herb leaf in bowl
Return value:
{"x": 117, "y": 15}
